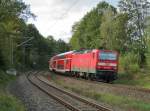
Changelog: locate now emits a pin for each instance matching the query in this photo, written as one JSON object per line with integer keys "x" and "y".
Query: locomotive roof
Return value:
{"x": 70, "y": 52}
{"x": 80, "y": 52}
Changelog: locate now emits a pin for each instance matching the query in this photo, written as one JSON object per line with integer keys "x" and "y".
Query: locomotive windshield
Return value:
{"x": 107, "y": 56}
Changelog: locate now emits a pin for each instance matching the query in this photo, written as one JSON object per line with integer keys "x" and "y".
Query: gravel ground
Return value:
{"x": 32, "y": 97}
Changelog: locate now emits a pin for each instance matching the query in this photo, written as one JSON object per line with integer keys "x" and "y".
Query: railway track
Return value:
{"x": 68, "y": 99}
{"x": 133, "y": 88}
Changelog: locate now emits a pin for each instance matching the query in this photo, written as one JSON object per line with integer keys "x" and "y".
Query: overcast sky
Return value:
{"x": 56, "y": 17}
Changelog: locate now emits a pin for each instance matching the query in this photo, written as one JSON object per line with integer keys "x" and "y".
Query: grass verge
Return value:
{"x": 123, "y": 102}
{"x": 131, "y": 74}
{"x": 10, "y": 103}
{"x": 140, "y": 79}
{"x": 7, "y": 101}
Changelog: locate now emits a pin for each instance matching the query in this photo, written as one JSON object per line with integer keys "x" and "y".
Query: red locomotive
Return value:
{"x": 93, "y": 64}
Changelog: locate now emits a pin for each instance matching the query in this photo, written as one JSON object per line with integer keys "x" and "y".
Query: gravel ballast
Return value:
{"x": 33, "y": 98}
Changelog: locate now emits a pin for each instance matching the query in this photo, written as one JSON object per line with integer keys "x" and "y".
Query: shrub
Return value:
{"x": 5, "y": 78}
{"x": 129, "y": 63}
{"x": 7, "y": 101}
{"x": 10, "y": 103}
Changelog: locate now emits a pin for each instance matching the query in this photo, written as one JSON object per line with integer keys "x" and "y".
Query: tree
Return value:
{"x": 12, "y": 12}
{"x": 61, "y": 46}
{"x": 14, "y": 30}
{"x": 86, "y": 33}
{"x": 2, "y": 63}
{"x": 137, "y": 12}
{"x": 113, "y": 31}
{"x": 40, "y": 49}
{"x": 106, "y": 30}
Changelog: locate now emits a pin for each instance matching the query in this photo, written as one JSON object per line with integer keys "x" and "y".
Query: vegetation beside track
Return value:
{"x": 131, "y": 74}
{"x": 115, "y": 33}
{"x": 139, "y": 79}
{"x": 7, "y": 101}
{"x": 123, "y": 102}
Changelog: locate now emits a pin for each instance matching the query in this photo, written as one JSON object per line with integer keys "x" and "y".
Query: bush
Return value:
{"x": 10, "y": 103}
{"x": 129, "y": 63}
{"x": 5, "y": 78}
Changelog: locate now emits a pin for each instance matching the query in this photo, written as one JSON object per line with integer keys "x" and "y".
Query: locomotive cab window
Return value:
{"x": 107, "y": 56}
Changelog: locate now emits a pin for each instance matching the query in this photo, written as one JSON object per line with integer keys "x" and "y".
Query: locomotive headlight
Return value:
{"x": 113, "y": 64}
{"x": 101, "y": 64}
{"x": 115, "y": 68}
{"x": 107, "y": 64}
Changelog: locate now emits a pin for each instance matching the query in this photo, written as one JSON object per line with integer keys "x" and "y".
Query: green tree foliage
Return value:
{"x": 39, "y": 50}
{"x": 61, "y": 46}
{"x": 129, "y": 62}
{"x": 113, "y": 31}
{"x": 147, "y": 33}
{"x": 12, "y": 13}
{"x": 137, "y": 11}
{"x": 14, "y": 31}
{"x": 104, "y": 27}
{"x": 86, "y": 33}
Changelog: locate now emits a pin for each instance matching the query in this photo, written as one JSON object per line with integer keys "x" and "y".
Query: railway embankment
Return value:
{"x": 117, "y": 96}
{"x": 7, "y": 101}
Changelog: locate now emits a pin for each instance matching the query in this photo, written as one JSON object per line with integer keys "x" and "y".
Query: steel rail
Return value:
{"x": 66, "y": 104}
{"x": 95, "y": 105}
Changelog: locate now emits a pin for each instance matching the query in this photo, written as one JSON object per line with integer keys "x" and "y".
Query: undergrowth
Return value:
{"x": 7, "y": 101}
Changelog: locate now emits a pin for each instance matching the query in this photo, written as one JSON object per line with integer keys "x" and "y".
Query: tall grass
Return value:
{"x": 130, "y": 72}
{"x": 129, "y": 63}
{"x": 10, "y": 103}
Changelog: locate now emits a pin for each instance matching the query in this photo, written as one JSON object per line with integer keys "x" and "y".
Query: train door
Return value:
{"x": 68, "y": 64}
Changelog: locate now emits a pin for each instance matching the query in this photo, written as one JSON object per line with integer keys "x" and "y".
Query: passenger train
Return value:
{"x": 90, "y": 64}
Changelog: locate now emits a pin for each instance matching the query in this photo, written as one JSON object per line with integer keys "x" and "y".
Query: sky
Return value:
{"x": 56, "y": 17}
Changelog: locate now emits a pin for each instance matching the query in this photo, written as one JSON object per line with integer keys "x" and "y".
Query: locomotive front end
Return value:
{"x": 107, "y": 65}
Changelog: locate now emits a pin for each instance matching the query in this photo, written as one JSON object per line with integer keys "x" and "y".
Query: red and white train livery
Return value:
{"x": 94, "y": 64}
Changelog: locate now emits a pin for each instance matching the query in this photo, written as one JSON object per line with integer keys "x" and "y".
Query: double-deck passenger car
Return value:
{"x": 93, "y": 64}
